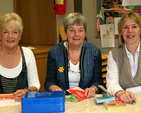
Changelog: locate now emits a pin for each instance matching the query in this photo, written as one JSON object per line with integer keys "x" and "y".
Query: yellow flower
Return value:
{"x": 61, "y": 69}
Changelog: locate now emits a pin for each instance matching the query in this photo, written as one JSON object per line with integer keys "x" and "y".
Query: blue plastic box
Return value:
{"x": 43, "y": 102}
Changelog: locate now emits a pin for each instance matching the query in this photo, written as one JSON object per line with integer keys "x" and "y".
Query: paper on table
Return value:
{"x": 8, "y": 100}
{"x": 12, "y": 103}
{"x": 105, "y": 97}
{"x": 7, "y": 96}
{"x": 104, "y": 89}
{"x": 136, "y": 89}
{"x": 78, "y": 92}
{"x": 31, "y": 47}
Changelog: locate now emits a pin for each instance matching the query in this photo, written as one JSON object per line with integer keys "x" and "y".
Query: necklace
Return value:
{"x": 71, "y": 57}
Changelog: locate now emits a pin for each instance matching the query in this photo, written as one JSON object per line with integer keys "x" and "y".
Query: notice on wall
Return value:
{"x": 107, "y": 35}
{"x": 116, "y": 20}
{"x": 131, "y": 2}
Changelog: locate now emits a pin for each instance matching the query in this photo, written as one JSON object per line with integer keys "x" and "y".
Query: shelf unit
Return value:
{"x": 104, "y": 66}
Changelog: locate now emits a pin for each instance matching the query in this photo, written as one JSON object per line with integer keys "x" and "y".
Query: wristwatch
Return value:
{"x": 29, "y": 90}
{"x": 94, "y": 88}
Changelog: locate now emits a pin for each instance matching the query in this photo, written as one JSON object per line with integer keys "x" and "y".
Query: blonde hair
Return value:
{"x": 134, "y": 16}
{"x": 7, "y": 17}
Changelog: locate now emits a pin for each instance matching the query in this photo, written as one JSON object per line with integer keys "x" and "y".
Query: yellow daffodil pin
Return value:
{"x": 61, "y": 69}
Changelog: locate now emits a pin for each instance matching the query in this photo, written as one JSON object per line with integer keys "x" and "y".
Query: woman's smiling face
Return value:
{"x": 10, "y": 35}
{"x": 76, "y": 34}
{"x": 131, "y": 32}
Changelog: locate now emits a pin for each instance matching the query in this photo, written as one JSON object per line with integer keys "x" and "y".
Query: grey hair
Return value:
{"x": 74, "y": 18}
{"x": 6, "y": 17}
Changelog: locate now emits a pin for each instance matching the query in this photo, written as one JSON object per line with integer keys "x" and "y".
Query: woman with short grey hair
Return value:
{"x": 74, "y": 62}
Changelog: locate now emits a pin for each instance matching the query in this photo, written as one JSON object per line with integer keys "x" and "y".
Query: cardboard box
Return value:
{"x": 43, "y": 102}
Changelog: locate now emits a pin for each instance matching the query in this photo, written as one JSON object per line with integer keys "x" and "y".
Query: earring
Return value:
{"x": 19, "y": 38}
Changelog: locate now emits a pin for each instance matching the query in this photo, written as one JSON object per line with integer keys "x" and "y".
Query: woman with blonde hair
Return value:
{"x": 124, "y": 63}
{"x": 18, "y": 71}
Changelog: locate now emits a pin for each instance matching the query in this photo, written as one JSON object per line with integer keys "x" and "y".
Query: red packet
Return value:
{"x": 115, "y": 105}
{"x": 78, "y": 92}
{"x": 116, "y": 102}
{"x": 4, "y": 97}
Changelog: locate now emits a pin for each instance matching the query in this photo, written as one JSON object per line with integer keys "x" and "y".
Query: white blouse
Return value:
{"x": 32, "y": 73}
{"x": 112, "y": 76}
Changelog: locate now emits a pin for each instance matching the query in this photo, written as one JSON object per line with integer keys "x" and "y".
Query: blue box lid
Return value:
{"x": 46, "y": 96}
{"x": 43, "y": 102}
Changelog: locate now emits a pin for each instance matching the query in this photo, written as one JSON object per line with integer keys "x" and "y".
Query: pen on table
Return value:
{"x": 133, "y": 102}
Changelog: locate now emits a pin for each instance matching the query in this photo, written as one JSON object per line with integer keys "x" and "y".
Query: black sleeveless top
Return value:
{"x": 10, "y": 85}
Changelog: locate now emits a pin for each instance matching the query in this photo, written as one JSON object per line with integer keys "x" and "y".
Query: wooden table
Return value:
{"x": 84, "y": 106}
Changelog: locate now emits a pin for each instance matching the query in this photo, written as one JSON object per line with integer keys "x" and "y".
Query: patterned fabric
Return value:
{"x": 10, "y": 85}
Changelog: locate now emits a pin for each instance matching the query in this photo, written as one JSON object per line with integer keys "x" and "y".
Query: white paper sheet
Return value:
{"x": 10, "y": 103}
{"x": 107, "y": 35}
{"x": 8, "y": 100}
{"x": 131, "y": 2}
{"x": 116, "y": 20}
{"x": 30, "y": 47}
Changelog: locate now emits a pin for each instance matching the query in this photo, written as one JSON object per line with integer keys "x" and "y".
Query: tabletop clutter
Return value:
{"x": 54, "y": 101}
{"x": 110, "y": 102}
